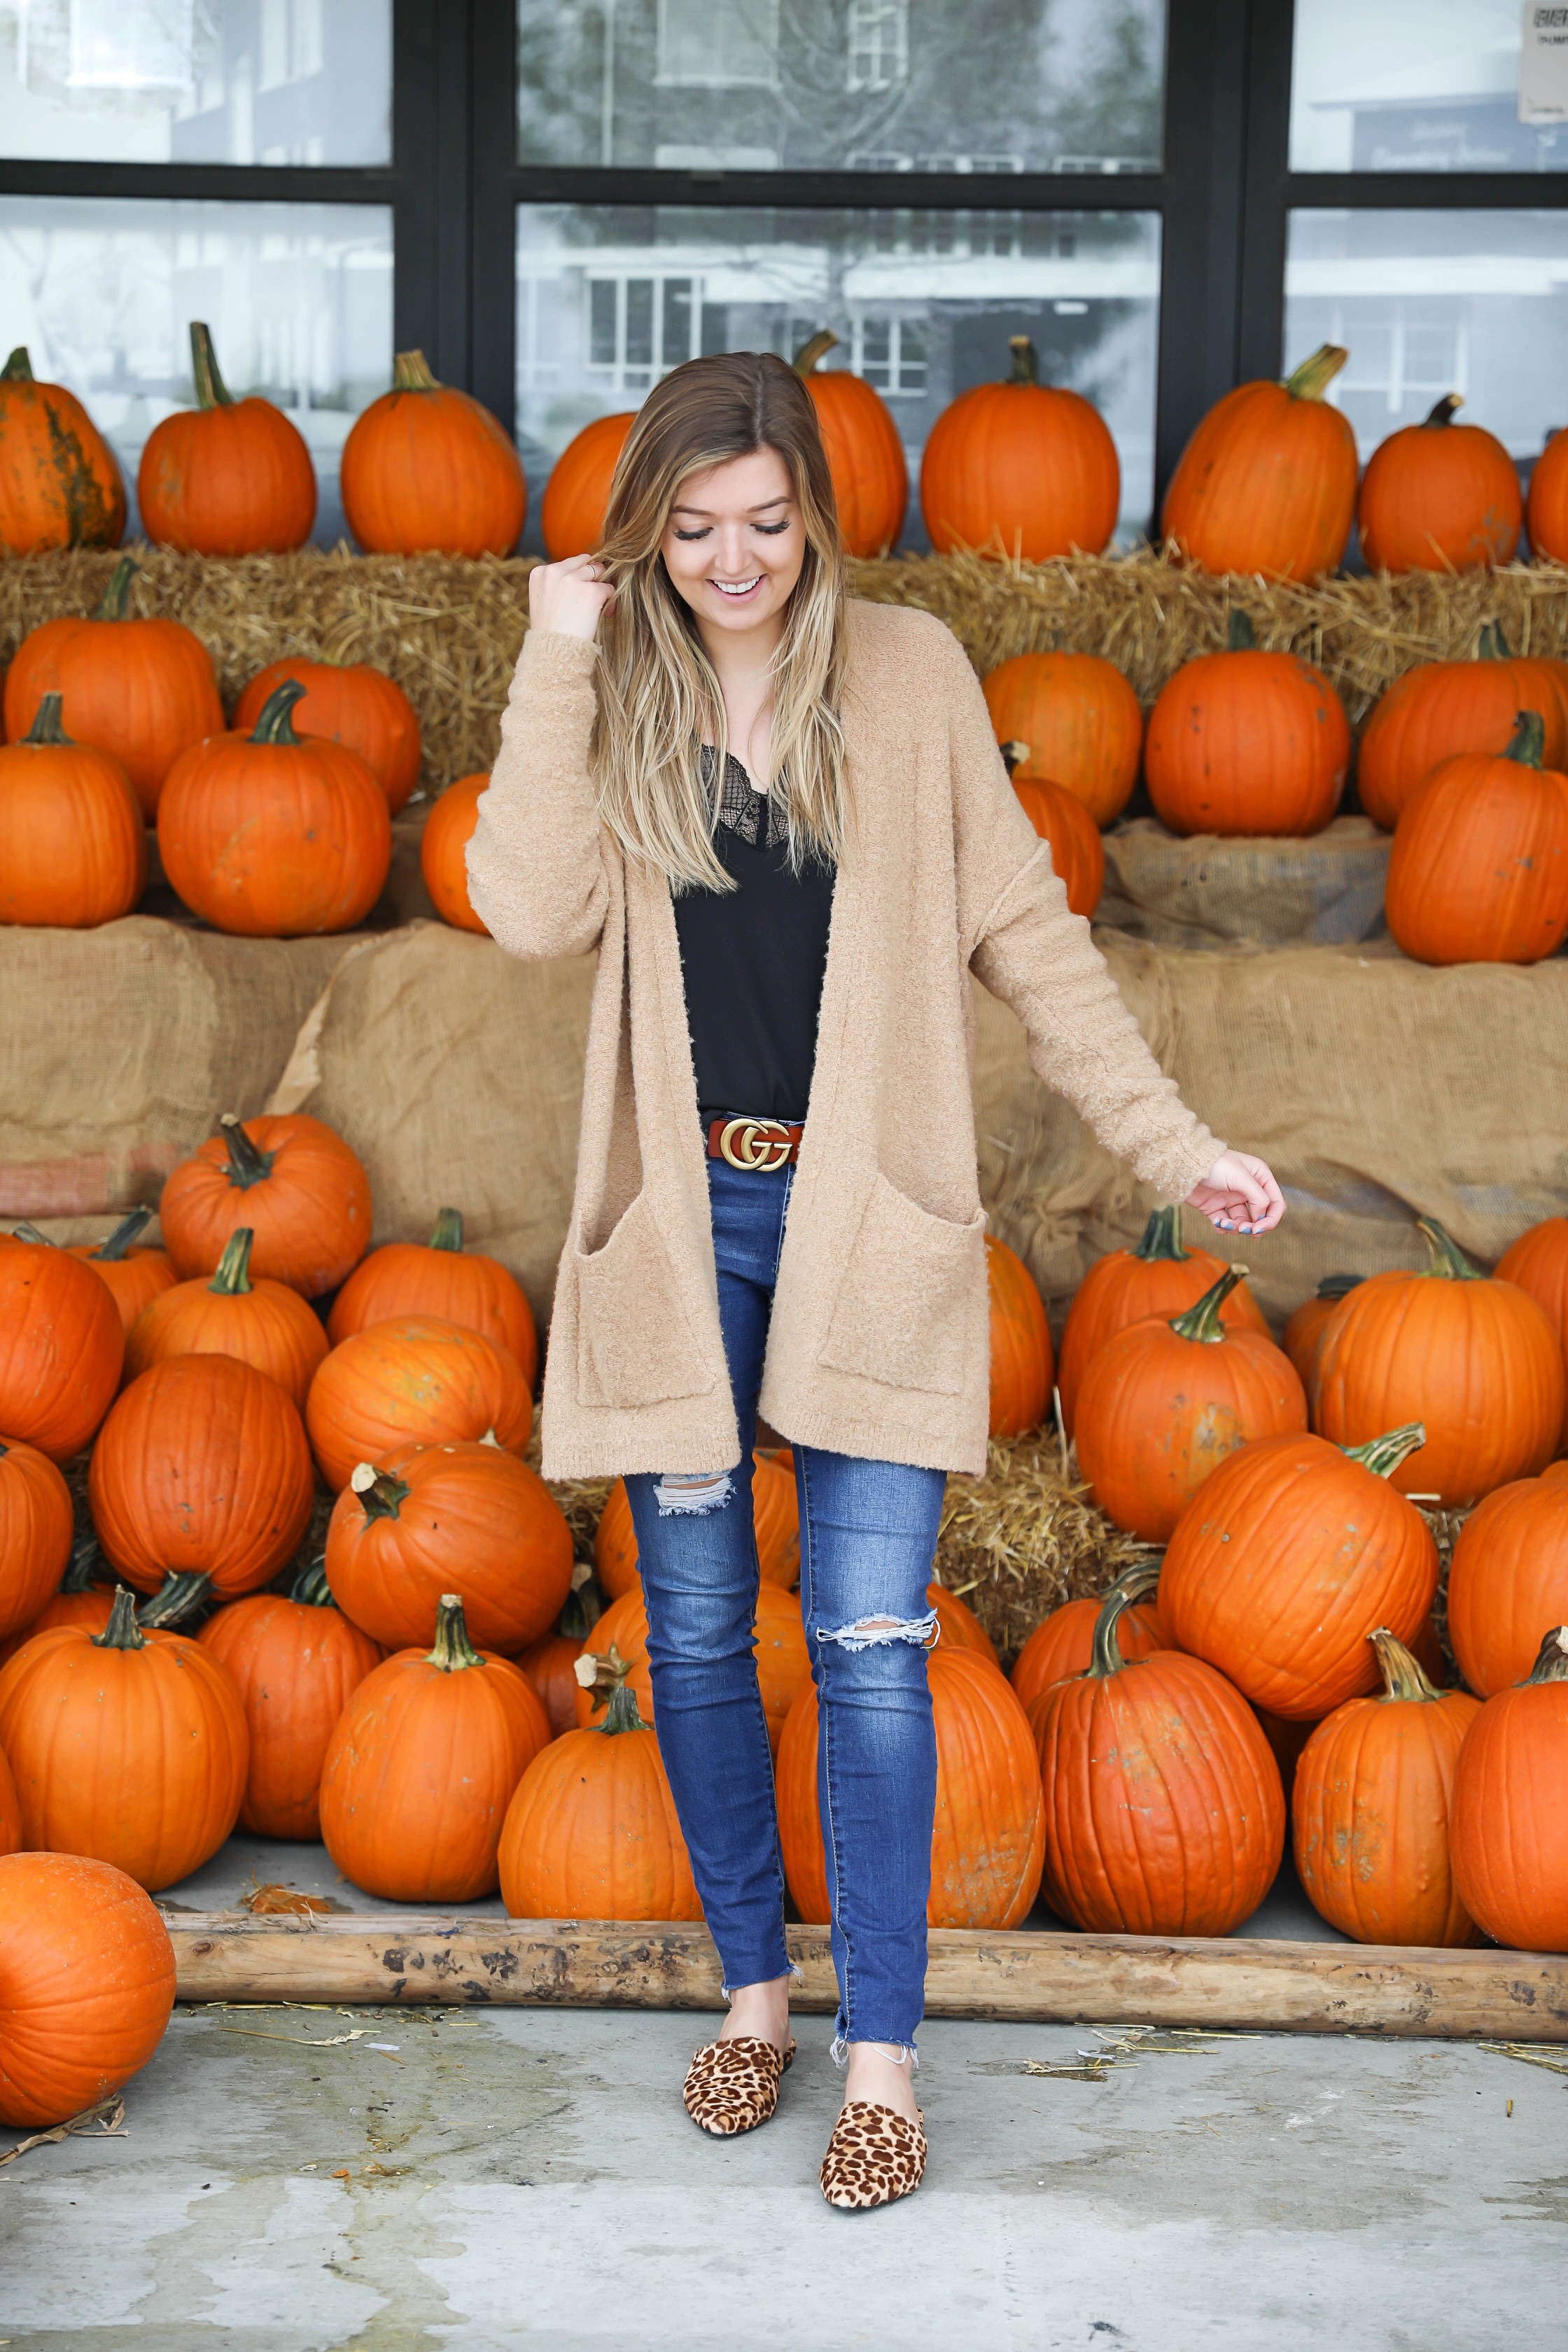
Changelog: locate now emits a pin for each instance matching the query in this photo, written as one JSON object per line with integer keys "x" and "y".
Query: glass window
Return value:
{"x": 611, "y": 297}
{"x": 1430, "y": 302}
{"x": 871, "y": 85}
{"x": 299, "y": 298}
{"x": 196, "y": 81}
{"x": 1427, "y": 86}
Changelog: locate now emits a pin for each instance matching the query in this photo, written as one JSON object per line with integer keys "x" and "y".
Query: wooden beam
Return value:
{"x": 1034, "y": 1979}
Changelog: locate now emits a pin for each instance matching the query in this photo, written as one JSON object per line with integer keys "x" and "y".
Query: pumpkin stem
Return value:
{"x": 1383, "y": 1455}
{"x": 582, "y": 1609}
{"x": 1402, "y": 1676}
{"x": 110, "y": 606}
{"x": 1443, "y": 414}
{"x": 26, "y": 1232}
{"x": 411, "y": 373}
{"x": 177, "y": 1598}
{"x": 1552, "y": 1665}
{"x": 1162, "y": 1241}
{"x": 1340, "y": 1285}
{"x": 1025, "y": 360}
{"x": 448, "y": 1233}
{"x": 1013, "y": 755}
{"x": 84, "y": 1557}
{"x": 381, "y": 1494}
{"x": 232, "y": 1279}
{"x": 1449, "y": 1259}
{"x": 19, "y": 368}
{"x": 453, "y": 1650}
{"x": 1240, "y": 637}
{"x": 310, "y": 1586}
{"x": 211, "y": 390}
{"x": 48, "y": 726}
{"x": 246, "y": 1165}
{"x": 121, "y": 1632}
{"x": 1529, "y": 744}
{"x": 1132, "y": 1584}
{"x": 274, "y": 725}
{"x": 607, "y": 1679}
{"x": 1313, "y": 377}
{"x": 815, "y": 349}
{"x": 115, "y": 1246}
{"x": 1491, "y": 645}
{"x": 1202, "y": 1322}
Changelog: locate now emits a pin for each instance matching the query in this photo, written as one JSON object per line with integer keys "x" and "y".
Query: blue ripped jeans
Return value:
{"x": 868, "y": 1535}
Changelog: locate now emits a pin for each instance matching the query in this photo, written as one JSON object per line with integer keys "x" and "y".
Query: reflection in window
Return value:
{"x": 196, "y": 81}
{"x": 747, "y": 85}
{"x": 610, "y": 298}
{"x": 1415, "y": 86}
{"x": 299, "y": 298}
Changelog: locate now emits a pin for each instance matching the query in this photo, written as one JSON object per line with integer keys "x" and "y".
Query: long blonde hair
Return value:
{"x": 658, "y": 696}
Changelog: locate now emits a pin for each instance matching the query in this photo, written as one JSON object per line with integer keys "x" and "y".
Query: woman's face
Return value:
{"x": 735, "y": 542}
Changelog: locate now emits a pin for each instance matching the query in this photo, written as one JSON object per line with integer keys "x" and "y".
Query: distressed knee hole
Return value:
{"x": 694, "y": 1494}
{"x": 871, "y": 1633}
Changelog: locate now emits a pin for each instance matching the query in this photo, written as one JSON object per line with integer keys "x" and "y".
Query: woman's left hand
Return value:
{"x": 1239, "y": 1195}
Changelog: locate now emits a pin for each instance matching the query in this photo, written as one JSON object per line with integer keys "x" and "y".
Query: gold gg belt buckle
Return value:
{"x": 758, "y": 1143}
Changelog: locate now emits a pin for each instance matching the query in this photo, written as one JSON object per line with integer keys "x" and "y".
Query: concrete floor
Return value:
{"x": 527, "y": 2178}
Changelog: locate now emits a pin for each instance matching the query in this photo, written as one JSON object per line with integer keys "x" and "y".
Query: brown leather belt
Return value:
{"x": 761, "y": 1144}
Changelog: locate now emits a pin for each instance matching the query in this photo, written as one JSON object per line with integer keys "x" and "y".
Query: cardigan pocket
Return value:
{"x": 904, "y": 1306}
{"x": 635, "y": 1345}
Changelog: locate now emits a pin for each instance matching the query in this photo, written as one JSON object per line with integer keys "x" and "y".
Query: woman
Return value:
{"x": 782, "y": 819}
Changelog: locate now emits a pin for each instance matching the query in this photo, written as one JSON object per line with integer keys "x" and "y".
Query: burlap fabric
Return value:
{"x": 1203, "y": 891}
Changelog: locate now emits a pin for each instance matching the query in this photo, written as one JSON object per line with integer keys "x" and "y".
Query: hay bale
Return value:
{"x": 1019, "y": 1541}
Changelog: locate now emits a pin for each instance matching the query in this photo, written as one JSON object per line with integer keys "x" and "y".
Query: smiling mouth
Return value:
{"x": 737, "y": 587}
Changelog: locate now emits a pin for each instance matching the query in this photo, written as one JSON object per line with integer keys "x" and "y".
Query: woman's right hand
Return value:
{"x": 568, "y": 598}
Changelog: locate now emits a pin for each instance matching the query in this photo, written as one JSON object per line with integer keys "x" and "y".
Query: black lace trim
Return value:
{"x": 755, "y": 817}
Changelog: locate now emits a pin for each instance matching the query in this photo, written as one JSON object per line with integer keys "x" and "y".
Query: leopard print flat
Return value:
{"x": 874, "y": 2156}
{"x": 733, "y": 2086}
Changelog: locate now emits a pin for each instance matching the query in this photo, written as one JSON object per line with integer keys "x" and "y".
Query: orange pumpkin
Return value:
{"x": 619, "y": 1637}
{"x": 1078, "y": 723}
{"x": 1440, "y": 708}
{"x": 1546, "y": 508}
{"x": 414, "y": 1380}
{"x": 592, "y": 1832}
{"x": 274, "y": 834}
{"x": 73, "y": 848}
{"x": 263, "y": 1324}
{"x": 227, "y": 476}
{"x": 1167, "y": 1401}
{"x": 1020, "y": 468}
{"x": 1306, "y": 1323}
{"x": 1268, "y": 482}
{"x": 201, "y": 1468}
{"x": 1538, "y": 1262}
{"x": 865, "y": 452}
{"x": 422, "y": 1765}
{"x": 571, "y": 512}
{"x": 60, "y": 484}
{"x": 127, "y": 1746}
{"x": 292, "y": 1181}
{"x": 134, "y": 1276}
{"x": 1021, "y": 1365}
{"x": 988, "y": 1838}
{"x": 61, "y": 1349}
{"x": 775, "y": 1518}
{"x": 1063, "y": 1644}
{"x": 1370, "y": 1809}
{"x": 1440, "y": 497}
{"x": 784, "y": 1666}
{"x": 439, "y": 1278}
{"x": 10, "y": 1809}
{"x": 1479, "y": 871}
{"x": 348, "y": 703}
{"x": 1474, "y": 1360}
{"x": 1246, "y": 742}
{"x": 76, "y": 1601}
{"x": 1165, "y": 1810}
{"x": 443, "y": 851}
{"x": 1078, "y": 854}
{"x": 1508, "y": 1579}
{"x": 433, "y": 1517}
{"x": 36, "y": 1530}
{"x": 1127, "y": 1285}
{"x": 548, "y": 1663}
{"x": 958, "y": 1624}
{"x": 1510, "y": 1800}
{"x": 1286, "y": 1561}
{"x": 296, "y": 1662}
{"x": 143, "y": 691}
{"x": 426, "y": 469}
{"x": 87, "y": 1985}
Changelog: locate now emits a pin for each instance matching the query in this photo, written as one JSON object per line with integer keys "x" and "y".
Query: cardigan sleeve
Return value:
{"x": 1025, "y": 945}
{"x": 535, "y": 861}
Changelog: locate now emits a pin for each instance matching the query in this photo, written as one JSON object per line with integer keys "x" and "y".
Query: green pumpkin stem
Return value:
{"x": 1449, "y": 1260}
{"x": 122, "y": 1633}
{"x": 612, "y": 1690}
{"x": 19, "y": 368}
{"x": 411, "y": 373}
{"x": 49, "y": 727}
{"x": 1240, "y": 636}
{"x": 119, "y": 1242}
{"x": 815, "y": 349}
{"x": 381, "y": 1494}
{"x": 1201, "y": 1322}
{"x": 582, "y": 1609}
{"x": 1443, "y": 414}
{"x": 1383, "y": 1455}
{"x": 247, "y": 1164}
{"x": 1403, "y": 1675}
{"x": 275, "y": 724}
{"x": 1025, "y": 361}
{"x": 1552, "y": 1664}
{"x": 179, "y": 1597}
{"x": 1491, "y": 645}
{"x": 1529, "y": 744}
{"x": 110, "y": 606}
{"x": 1340, "y": 1285}
{"x": 1133, "y": 1584}
{"x": 232, "y": 1279}
{"x": 85, "y": 1559}
{"x": 211, "y": 390}
{"x": 310, "y": 1586}
{"x": 28, "y": 1231}
{"x": 448, "y": 1233}
{"x": 1162, "y": 1241}
{"x": 1313, "y": 377}
{"x": 453, "y": 1650}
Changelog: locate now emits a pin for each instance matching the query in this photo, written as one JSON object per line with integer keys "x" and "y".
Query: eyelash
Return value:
{"x": 768, "y": 529}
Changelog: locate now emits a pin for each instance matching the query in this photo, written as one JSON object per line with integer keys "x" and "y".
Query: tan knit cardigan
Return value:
{"x": 878, "y": 1345}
